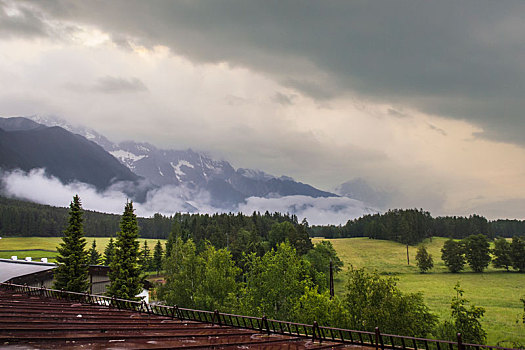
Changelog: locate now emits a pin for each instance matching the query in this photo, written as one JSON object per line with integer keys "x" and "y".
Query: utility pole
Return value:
{"x": 331, "y": 279}
{"x": 408, "y": 257}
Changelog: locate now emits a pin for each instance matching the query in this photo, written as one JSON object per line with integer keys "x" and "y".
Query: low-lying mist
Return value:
{"x": 39, "y": 187}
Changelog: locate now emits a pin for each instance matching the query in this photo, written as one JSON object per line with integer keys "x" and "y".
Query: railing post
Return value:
{"x": 316, "y": 330}
{"x": 460, "y": 342}
{"x": 216, "y": 316}
{"x": 264, "y": 323}
{"x": 378, "y": 334}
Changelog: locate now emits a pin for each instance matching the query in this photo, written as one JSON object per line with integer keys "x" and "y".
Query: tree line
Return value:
{"x": 408, "y": 226}
{"x": 411, "y": 226}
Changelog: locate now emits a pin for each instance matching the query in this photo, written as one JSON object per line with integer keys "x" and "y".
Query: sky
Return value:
{"x": 423, "y": 101}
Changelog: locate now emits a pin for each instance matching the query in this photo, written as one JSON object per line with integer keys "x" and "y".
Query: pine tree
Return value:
{"x": 424, "y": 259}
{"x": 145, "y": 261}
{"x": 94, "y": 256}
{"x": 72, "y": 271}
{"x": 157, "y": 257}
{"x": 125, "y": 271}
{"x": 109, "y": 252}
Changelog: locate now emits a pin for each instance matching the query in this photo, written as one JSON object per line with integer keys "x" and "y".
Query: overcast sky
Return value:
{"x": 424, "y": 100}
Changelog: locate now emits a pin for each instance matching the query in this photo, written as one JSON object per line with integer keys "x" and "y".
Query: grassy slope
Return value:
{"x": 15, "y": 244}
{"x": 496, "y": 290}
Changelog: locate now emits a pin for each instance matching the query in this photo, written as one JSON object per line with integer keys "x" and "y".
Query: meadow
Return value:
{"x": 45, "y": 247}
{"x": 496, "y": 290}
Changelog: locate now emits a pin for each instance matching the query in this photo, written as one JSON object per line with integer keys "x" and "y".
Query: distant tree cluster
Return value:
{"x": 475, "y": 251}
{"x": 412, "y": 226}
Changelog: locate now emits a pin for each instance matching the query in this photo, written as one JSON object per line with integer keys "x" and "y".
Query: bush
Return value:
{"x": 465, "y": 320}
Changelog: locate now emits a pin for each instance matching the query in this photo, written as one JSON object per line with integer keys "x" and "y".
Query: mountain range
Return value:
{"x": 75, "y": 153}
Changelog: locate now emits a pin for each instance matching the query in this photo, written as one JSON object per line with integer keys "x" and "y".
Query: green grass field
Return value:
{"x": 496, "y": 290}
{"x": 33, "y": 246}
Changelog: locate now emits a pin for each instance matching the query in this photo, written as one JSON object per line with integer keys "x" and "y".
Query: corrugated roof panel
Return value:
{"x": 47, "y": 323}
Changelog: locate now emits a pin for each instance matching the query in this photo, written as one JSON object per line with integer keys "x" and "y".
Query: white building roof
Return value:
{"x": 15, "y": 268}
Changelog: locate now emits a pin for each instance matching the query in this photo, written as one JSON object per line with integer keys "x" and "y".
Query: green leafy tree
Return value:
{"x": 72, "y": 271}
{"x": 452, "y": 254}
{"x": 145, "y": 259}
{"x": 125, "y": 271}
{"x": 465, "y": 320}
{"x": 502, "y": 254}
{"x": 94, "y": 255}
{"x": 319, "y": 258}
{"x": 314, "y": 306}
{"x": 109, "y": 252}
{"x": 274, "y": 282}
{"x": 157, "y": 257}
{"x": 218, "y": 288}
{"x": 183, "y": 271}
{"x": 373, "y": 301}
{"x": 477, "y": 252}
{"x": 424, "y": 259}
{"x": 517, "y": 253}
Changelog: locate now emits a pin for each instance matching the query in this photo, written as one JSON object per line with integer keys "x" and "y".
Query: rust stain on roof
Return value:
{"x": 33, "y": 322}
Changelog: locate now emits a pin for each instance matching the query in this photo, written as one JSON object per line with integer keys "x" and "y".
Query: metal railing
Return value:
{"x": 313, "y": 331}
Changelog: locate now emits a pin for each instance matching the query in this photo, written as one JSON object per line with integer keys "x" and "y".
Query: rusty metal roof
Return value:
{"x": 29, "y": 321}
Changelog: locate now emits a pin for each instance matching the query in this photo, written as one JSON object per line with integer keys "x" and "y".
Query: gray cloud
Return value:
{"x": 119, "y": 85}
{"x": 20, "y": 21}
{"x": 395, "y": 113}
{"x": 436, "y": 129}
{"x": 458, "y": 59}
{"x": 504, "y": 209}
{"x": 284, "y": 99}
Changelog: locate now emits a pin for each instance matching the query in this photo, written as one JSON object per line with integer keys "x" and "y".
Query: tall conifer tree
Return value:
{"x": 109, "y": 252}
{"x": 94, "y": 256}
{"x": 72, "y": 271}
{"x": 157, "y": 257}
{"x": 125, "y": 270}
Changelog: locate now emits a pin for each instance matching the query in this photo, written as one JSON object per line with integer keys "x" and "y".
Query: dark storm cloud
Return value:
{"x": 459, "y": 59}
{"x": 110, "y": 84}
